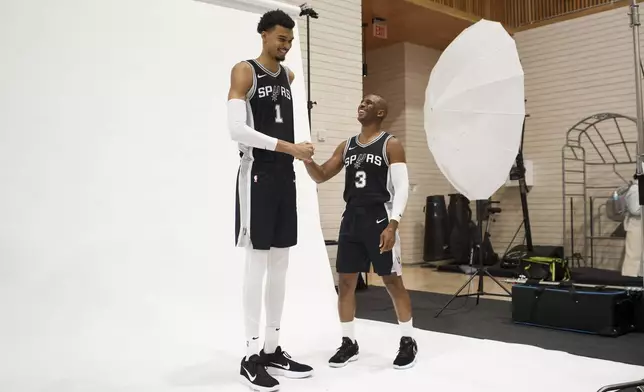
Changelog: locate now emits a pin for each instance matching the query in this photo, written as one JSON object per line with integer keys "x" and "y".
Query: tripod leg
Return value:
{"x": 456, "y": 295}
{"x": 497, "y": 282}
{"x": 512, "y": 241}
{"x": 479, "y": 290}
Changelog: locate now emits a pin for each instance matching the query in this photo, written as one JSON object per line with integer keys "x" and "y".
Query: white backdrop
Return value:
{"x": 117, "y": 264}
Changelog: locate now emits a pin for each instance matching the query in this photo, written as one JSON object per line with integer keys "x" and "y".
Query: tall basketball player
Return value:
{"x": 375, "y": 191}
{"x": 260, "y": 119}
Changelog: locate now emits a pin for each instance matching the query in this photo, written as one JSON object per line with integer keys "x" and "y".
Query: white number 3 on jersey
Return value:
{"x": 361, "y": 179}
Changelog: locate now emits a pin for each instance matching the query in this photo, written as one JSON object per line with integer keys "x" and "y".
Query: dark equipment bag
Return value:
{"x": 551, "y": 269}
{"x": 594, "y": 310}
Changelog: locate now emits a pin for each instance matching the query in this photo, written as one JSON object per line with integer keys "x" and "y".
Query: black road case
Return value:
{"x": 595, "y": 310}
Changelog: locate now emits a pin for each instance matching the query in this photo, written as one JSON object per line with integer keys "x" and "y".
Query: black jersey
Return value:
{"x": 270, "y": 102}
{"x": 367, "y": 181}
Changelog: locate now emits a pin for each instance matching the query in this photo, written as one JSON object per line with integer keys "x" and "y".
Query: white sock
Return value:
{"x": 348, "y": 330}
{"x": 274, "y": 296}
{"x": 272, "y": 339}
{"x": 252, "y": 297}
{"x": 252, "y": 347}
{"x": 406, "y": 328}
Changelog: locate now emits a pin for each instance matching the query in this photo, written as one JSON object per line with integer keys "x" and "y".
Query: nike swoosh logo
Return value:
{"x": 285, "y": 367}
{"x": 252, "y": 378}
{"x": 260, "y": 76}
{"x": 381, "y": 220}
{"x": 351, "y": 148}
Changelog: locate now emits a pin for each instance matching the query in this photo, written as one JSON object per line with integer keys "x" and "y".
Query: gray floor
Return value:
{"x": 492, "y": 319}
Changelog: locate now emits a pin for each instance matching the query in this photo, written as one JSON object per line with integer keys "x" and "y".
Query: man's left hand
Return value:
{"x": 388, "y": 237}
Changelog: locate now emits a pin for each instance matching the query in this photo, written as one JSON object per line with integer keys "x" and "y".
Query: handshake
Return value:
{"x": 302, "y": 151}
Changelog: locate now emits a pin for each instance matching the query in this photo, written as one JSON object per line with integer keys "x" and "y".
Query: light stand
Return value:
{"x": 481, "y": 271}
{"x": 309, "y": 13}
{"x": 635, "y": 25}
{"x": 523, "y": 189}
{"x": 518, "y": 173}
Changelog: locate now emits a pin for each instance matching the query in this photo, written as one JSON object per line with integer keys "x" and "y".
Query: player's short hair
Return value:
{"x": 269, "y": 20}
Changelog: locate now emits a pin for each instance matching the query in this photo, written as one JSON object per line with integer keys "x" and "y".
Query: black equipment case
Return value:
{"x": 594, "y": 310}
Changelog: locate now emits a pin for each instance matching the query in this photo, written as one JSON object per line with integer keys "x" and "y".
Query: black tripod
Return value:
{"x": 517, "y": 173}
{"x": 309, "y": 13}
{"x": 477, "y": 252}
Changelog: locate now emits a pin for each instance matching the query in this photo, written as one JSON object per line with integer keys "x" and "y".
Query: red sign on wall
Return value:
{"x": 380, "y": 30}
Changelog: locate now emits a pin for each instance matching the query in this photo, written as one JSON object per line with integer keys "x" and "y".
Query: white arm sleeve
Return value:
{"x": 242, "y": 133}
{"x": 400, "y": 180}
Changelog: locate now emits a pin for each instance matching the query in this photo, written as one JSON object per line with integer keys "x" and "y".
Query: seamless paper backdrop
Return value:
{"x": 117, "y": 259}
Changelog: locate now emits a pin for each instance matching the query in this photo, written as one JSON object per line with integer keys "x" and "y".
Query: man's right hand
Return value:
{"x": 303, "y": 151}
{"x": 326, "y": 171}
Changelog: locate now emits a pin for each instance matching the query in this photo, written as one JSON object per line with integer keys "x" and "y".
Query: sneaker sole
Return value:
{"x": 343, "y": 364}
{"x": 397, "y": 367}
{"x": 274, "y": 371}
{"x": 258, "y": 388}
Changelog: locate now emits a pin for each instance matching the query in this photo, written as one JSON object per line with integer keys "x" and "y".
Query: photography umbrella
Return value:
{"x": 474, "y": 109}
{"x": 474, "y": 114}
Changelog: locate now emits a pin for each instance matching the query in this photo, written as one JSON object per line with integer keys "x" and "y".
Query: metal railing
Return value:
{"x": 518, "y": 13}
{"x": 526, "y": 12}
{"x": 488, "y": 9}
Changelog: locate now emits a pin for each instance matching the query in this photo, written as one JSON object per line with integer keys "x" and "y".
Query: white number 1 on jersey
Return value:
{"x": 278, "y": 114}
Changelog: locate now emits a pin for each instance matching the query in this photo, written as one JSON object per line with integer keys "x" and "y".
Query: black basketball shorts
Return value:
{"x": 359, "y": 242}
{"x": 266, "y": 207}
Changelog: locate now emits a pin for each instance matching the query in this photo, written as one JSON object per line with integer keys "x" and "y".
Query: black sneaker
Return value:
{"x": 255, "y": 376}
{"x": 348, "y": 352}
{"x": 406, "y": 357}
{"x": 280, "y": 363}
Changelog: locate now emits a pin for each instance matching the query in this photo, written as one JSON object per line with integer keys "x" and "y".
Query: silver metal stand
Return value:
{"x": 622, "y": 386}
{"x": 635, "y": 25}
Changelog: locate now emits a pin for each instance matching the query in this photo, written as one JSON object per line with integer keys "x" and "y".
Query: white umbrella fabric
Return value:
{"x": 475, "y": 108}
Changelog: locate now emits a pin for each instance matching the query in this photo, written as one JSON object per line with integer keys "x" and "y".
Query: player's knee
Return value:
{"x": 393, "y": 283}
{"x": 347, "y": 284}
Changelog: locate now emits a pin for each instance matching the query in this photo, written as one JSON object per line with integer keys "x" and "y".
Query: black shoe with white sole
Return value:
{"x": 255, "y": 376}
{"x": 280, "y": 363}
{"x": 348, "y": 352}
{"x": 406, "y": 357}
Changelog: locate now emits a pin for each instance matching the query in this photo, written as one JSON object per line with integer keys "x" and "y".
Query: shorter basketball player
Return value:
{"x": 376, "y": 190}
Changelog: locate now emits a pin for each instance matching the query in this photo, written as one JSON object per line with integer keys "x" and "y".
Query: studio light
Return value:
{"x": 474, "y": 113}
{"x": 474, "y": 109}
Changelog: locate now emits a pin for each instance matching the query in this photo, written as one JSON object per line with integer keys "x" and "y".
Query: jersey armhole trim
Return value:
{"x": 384, "y": 149}
{"x": 251, "y": 93}
{"x": 346, "y": 148}
{"x": 287, "y": 71}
